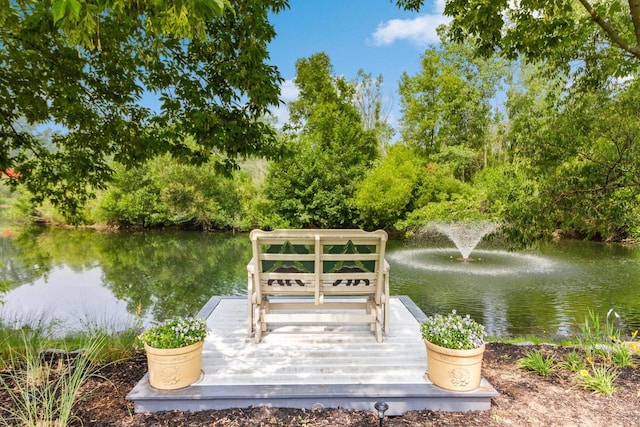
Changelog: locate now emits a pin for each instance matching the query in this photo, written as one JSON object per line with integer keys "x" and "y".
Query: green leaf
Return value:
{"x": 61, "y": 7}
{"x": 74, "y": 5}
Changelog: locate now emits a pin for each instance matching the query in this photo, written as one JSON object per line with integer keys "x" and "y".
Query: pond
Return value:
{"x": 81, "y": 278}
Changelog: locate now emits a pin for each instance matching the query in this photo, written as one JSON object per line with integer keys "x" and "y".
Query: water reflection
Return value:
{"x": 124, "y": 277}
{"x": 144, "y": 275}
{"x": 543, "y": 292}
{"x": 70, "y": 300}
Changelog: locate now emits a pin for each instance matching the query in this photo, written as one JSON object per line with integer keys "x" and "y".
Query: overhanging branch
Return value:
{"x": 634, "y": 6}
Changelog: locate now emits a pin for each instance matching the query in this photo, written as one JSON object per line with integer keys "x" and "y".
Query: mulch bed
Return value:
{"x": 525, "y": 399}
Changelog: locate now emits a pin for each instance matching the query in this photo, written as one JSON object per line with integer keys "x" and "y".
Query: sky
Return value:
{"x": 373, "y": 35}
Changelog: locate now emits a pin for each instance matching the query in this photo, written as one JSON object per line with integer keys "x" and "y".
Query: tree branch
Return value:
{"x": 634, "y": 9}
{"x": 595, "y": 190}
{"x": 634, "y": 6}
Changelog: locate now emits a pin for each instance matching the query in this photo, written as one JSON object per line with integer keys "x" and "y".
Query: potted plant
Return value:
{"x": 455, "y": 346}
{"x": 174, "y": 352}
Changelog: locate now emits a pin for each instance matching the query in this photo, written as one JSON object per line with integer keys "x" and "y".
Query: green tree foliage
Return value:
{"x": 598, "y": 39}
{"x": 581, "y": 147}
{"x": 447, "y": 130}
{"x": 213, "y": 87}
{"x": 80, "y": 20}
{"x": 440, "y": 196}
{"x": 570, "y": 128}
{"x": 447, "y": 106}
{"x": 389, "y": 190}
{"x": 165, "y": 192}
{"x": 510, "y": 195}
{"x": 330, "y": 151}
{"x": 595, "y": 159}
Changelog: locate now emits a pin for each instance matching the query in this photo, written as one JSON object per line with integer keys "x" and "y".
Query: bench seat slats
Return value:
{"x": 292, "y": 318}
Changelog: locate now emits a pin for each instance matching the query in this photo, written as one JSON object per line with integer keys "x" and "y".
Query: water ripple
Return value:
{"x": 487, "y": 262}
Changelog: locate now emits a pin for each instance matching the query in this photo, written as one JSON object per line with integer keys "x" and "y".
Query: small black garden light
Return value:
{"x": 381, "y": 407}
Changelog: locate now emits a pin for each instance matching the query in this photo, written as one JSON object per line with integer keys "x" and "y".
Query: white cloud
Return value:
{"x": 289, "y": 92}
{"x": 420, "y": 30}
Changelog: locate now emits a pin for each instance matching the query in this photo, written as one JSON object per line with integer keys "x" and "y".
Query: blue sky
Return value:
{"x": 373, "y": 35}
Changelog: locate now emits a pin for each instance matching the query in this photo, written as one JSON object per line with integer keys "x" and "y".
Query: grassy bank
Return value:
{"x": 43, "y": 375}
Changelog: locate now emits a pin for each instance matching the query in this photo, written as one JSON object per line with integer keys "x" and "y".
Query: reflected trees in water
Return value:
{"x": 159, "y": 274}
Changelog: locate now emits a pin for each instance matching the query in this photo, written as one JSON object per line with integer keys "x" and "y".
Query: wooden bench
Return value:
{"x": 318, "y": 276}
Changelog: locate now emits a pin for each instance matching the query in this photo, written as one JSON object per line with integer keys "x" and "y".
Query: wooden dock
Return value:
{"x": 311, "y": 366}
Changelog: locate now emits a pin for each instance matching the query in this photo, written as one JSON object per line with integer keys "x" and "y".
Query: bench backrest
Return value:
{"x": 318, "y": 262}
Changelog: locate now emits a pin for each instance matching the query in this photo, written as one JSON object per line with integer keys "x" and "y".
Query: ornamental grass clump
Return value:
{"x": 176, "y": 333}
{"x": 453, "y": 331}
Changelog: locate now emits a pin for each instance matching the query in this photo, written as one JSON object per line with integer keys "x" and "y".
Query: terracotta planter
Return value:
{"x": 172, "y": 368}
{"x": 457, "y": 370}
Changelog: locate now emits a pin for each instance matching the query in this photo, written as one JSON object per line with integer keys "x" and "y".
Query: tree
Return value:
{"x": 329, "y": 151}
{"x": 80, "y": 20}
{"x": 447, "y": 105}
{"x": 214, "y": 87}
{"x": 164, "y": 192}
{"x": 388, "y": 191}
{"x": 578, "y": 151}
{"x": 596, "y": 40}
{"x": 536, "y": 28}
{"x": 589, "y": 157}
{"x": 373, "y": 107}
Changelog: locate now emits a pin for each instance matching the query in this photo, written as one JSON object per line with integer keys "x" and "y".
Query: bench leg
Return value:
{"x": 261, "y": 325}
{"x": 385, "y": 314}
{"x": 258, "y": 335}
{"x": 376, "y": 325}
{"x": 385, "y": 304}
{"x": 249, "y": 316}
{"x": 251, "y": 297}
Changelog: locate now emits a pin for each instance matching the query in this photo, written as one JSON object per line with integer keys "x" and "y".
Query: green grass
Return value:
{"x": 599, "y": 379}
{"x": 535, "y": 340}
{"x": 43, "y": 386}
{"x": 42, "y": 383}
{"x": 117, "y": 343}
{"x": 573, "y": 362}
{"x": 622, "y": 356}
{"x": 535, "y": 361}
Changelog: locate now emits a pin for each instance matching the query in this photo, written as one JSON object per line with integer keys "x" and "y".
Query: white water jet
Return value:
{"x": 465, "y": 235}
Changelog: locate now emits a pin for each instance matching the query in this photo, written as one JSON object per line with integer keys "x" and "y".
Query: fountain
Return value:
{"x": 465, "y": 235}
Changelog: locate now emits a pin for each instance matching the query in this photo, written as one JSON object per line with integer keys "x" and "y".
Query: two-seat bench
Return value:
{"x": 312, "y": 276}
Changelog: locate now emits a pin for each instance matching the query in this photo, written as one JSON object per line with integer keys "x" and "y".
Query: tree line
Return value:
{"x": 535, "y": 128}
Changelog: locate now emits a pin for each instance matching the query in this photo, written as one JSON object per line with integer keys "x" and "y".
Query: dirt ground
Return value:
{"x": 525, "y": 399}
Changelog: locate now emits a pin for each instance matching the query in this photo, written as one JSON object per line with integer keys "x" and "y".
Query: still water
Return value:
{"x": 87, "y": 277}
